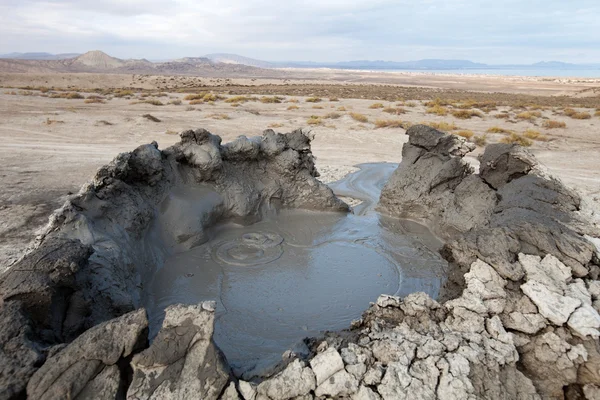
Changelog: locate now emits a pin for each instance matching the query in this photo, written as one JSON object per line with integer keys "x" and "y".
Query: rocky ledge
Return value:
{"x": 518, "y": 320}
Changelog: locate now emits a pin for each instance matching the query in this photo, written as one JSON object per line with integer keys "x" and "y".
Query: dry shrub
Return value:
{"x": 581, "y": 115}
{"x": 314, "y": 120}
{"x": 67, "y": 95}
{"x": 317, "y": 107}
{"x": 389, "y": 123}
{"x": 49, "y": 121}
{"x": 529, "y": 115}
{"x": 442, "y": 126}
{"x": 153, "y": 102}
{"x": 93, "y": 101}
{"x": 466, "y": 114}
{"x": 151, "y": 117}
{"x": 376, "y": 105}
{"x": 438, "y": 102}
{"x": 190, "y": 108}
{"x": 171, "y": 132}
{"x": 437, "y": 110}
{"x": 534, "y": 135}
{"x": 293, "y": 107}
{"x": 465, "y": 133}
{"x": 314, "y": 100}
{"x": 240, "y": 99}
{"x": 410, "y": 104}
{"x": 342, "y": 108}
{"x": 334, "y": 99}
{"x": 271, "y": 99}
{"x": 276, "y": 125}
{"x": 332, "y": 115}
{"x": 123, "y": 93}
{"x": 551, "y": 124}
{"x": 394, "y": 110}
{"x": 502, "y": 115}
{"x": 195, "y": 102}
{"x": 198, "y": 96}
{"x": 497, "y": 129}
{"x": 175, "y": 102}
{"x": 597, "y": 113}
{"x": 292, "y": 101}
{"x": 219, "y": 116}
{"x": 518, "y": 139}
{"x": 359, "y": 117}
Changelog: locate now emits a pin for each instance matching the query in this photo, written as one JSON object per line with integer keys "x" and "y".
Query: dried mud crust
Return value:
{"x": 520, "y": 318}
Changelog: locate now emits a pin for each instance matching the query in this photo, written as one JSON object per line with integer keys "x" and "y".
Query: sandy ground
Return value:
{"x": 49, "y": 147}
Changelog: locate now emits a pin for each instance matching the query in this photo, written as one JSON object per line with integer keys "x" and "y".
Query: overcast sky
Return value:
{"x": 501, "y": 31}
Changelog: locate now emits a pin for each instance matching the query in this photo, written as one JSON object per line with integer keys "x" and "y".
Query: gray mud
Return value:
{"x": 298, "y": 273}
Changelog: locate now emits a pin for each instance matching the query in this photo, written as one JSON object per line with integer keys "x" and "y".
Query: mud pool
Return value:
{"x": 298, "y": 273}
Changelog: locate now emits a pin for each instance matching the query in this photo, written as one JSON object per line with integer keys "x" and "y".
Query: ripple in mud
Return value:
{"x": 296, "y": 274}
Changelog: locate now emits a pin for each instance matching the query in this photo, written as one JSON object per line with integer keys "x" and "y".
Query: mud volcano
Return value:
{"x": 296, "y": 273}
{"x": 506, "y": 308}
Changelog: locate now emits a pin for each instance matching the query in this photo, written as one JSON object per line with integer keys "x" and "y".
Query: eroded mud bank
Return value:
{"x": 518, "y": 320}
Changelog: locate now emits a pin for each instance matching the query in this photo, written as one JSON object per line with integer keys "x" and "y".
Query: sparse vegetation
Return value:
{"x": 219, "y": 116}
{"x": 389, "y": 123}
{"x": 394, "y": 110}
{"x": 314, "y": 100}
{"x": 376, "y": 106}
{"x": 276, "y": 125}
{"x": 534, "y": 135}
{"x": 466, "y": 114}
{"x": 332, "y": 115}
{"x": 153, "y": 102}
{"x": 341, "y": 108}
{"x": 191, "y": 97}
{"x": 67, "y": 95}
{"x": 467, "y": 134}
{"x": 437, "y": 110}
{"x": 502, "y": 115}
{"x": 195, "y": 102}
{"x": 293, "y": 107}
{"x": 271, "y": 99}
{"x": 498, "y": 129}
{"x": 551, "y": 124}
{"x": 240, "y": 99}
{"x": 569, "y": 112}
{"x": 529, "y": 115}
{"x": 359, "y": 117}
{"x": 94, "y": 99}
{"x": 123, "y": 93}
{"x": 151, "y": 117}
{"x": 314, "y": 120}
{"x": 442, "y": 126}
{"x": 517, "y": 139}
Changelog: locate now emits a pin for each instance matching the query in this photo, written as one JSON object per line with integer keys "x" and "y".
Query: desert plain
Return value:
{"x": 57, "y": 129}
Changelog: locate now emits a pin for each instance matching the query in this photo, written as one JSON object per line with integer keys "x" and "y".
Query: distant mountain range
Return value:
{"x": 427, "y": 64}
{"x": 223, "y": 63}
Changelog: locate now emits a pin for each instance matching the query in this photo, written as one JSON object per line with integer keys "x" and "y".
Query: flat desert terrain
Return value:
{"x": 56, "y": 130}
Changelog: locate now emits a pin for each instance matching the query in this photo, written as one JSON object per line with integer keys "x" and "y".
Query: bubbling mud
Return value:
{"x": 298, "y": 273}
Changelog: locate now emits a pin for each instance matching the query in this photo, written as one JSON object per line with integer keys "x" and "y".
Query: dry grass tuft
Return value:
{"x": 551, "y": 124}
{"x": 314, "y": 100}
{"x": 175, "y": 102}
{"x": 314, "y": 120}
{"x": 437, "y": 110}
{"x": 195, "y": 102}
{"x": 123, "y": 93}
{"x": 467, "y": 134}
{"x": 276, "y": 125}
{"x": 342, "y": 108}
{"x": 332, "y": 115}
{"x": 516, "y": 139}
{"x": 534, "y": 135}
{"x": 466, "y": 114}
{"x": 240, "y": 99}
{"x": 410, "y": 104}
{"x": 569, "y": 112}
{"x": 171, "y": 132}
{"x": 49, "y": 121}
{"x": 218, "y": 116}
{"x": 497, "y": 129}
{"x": 271, "y": 99}
{"x": 293, "y": 107}
{"x": 190, "y": 108}
{"x": 104, "y": 122}
{"x": 390, "y": 123}
{"x": 67, "y": 95}
{"x": 94, "y": 99}
{"x": 317, "y": 107}
{"x": 442, "y": 126}
{"x": 359, "y": 117}
{"x": 529, "y": 115}
{"x": 394, "y": 110}
{"x": 376, "y": 105}
{"x": 334, "y": 99}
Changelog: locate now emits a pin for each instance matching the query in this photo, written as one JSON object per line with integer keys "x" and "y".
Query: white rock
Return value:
{"x": 550, "y": 271}
{"x": 591, "y": 392}
{"x": 373, "y": 375}
{"x": 247, "y": 390}
{"x": 554, "y": 307}
{"x": 527, "y": 323}
{"x": 594, "y": 289}
{"x": 339, "y": 384}
{"x": 364, "y": 393}
{"x": 577, "y": 290}
{"x": 230, "y": 393}
{"x": 585, "y": 321}
{"x": 295, "y": 380}
{"x": 326, "y": 364}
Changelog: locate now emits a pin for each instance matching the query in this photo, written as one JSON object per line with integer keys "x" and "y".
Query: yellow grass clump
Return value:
{"x": 123, "y": 93}
{"x": 376, "y": 105}
{"x": 437, "y": 110}
{"x": 498, "y": 129}
{"x": 314, "y": 120}
{"x": 359, "y": 117}
{"x": 518, "y": 139}
{"x": 480, "y": 140}
{"x": 534, "y": 135}
{"x": 293, "y": 107}
{"x": 465, "y": 133}
{"x": 569, "y": 112}
{"x": 334, "y": 99}
{"x": 313, "y": 100}
{"x": 276, "y": 125}
{"x": 551, "y": 124}
{"x": 442, "y": 126}
{"x": 394, "y": 110}
{"x": 341, "y": 108}
{"x": 466, "y": 114}
{"x": 219, "y": 116}
{"x": 389, "y": 123}
{"x": 240, "y": 99}
{"x": 529, "y": 115}
{"x": 271, "y": 99}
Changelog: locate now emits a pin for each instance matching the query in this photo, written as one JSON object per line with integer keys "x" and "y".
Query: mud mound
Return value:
{"x": 520, "y": 317}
